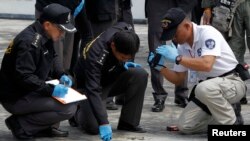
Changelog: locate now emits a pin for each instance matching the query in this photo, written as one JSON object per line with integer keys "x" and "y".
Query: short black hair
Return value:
{"x": 126, "y": 42}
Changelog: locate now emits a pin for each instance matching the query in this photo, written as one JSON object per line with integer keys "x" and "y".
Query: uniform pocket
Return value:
{"x": 233, "y": 89}
{"x": 228, "y": 91}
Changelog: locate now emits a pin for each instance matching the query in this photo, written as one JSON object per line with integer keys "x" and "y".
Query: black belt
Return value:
{"x": 228, "y": 73}
{"x": 233, "y": 71}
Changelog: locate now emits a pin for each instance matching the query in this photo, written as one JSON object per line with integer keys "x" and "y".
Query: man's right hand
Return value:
{"x": 131, "y": 65}
{"x": 60, "y": 91}
{"x": 105, "y": 132}
{"x": 169, "y": 52}
{"x": 66, "y": 80}
{"x": 207, "y": 15}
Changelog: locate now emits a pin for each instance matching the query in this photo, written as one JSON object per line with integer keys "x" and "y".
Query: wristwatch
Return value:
{"x": 178, "y": 59}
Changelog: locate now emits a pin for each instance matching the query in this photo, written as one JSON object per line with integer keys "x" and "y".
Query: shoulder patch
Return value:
{"x": 210, "y": 43}
{"x": 36, "y": 40}
{"x": 102, "y": 57}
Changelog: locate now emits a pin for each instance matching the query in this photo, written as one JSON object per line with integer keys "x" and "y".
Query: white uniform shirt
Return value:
{"x": 208, "y": 41}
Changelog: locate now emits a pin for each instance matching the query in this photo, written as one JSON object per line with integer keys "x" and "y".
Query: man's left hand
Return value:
{"x": 131, "y": 65}
{"x": 169, "y": 52}
{"x": 160, "y": 64}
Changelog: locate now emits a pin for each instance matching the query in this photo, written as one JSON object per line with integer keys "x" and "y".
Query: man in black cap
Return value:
{"x": 102, "y": 14}
{"x": 67, "y": 47}
{"x": 213, "y": 69}
{"x": 26, "y": 65}
{"x": 104, "y": 70}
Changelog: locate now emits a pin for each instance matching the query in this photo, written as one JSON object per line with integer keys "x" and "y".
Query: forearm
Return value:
{"x": 97, "y": 107}
{"x": 197, "y": 64}
{"x": 94, "y": 90}
{"x": 172, "y": 76}
{"x": 33, "y": 83}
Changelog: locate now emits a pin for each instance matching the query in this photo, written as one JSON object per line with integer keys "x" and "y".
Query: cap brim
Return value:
{"x": 168, "y": 34}
{"x": 68, "y": 27}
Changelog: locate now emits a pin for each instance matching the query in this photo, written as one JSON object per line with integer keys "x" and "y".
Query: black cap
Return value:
{"x": 170, "y": 22}
{"x": 59, "y": 15}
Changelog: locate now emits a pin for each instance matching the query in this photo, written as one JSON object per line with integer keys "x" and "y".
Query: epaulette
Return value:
{"x": 88, "y": 46}
{"x": 129, "y": 27}
{"x": 102, "y": 57}
{"x": 36, "y": 40}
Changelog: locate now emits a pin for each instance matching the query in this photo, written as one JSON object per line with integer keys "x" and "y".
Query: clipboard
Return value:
{"x": 70, "y": 97}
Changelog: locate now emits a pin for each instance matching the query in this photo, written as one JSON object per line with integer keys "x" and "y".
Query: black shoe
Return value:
{"x": 52, "y": 132}
{"x": 237, "y": 110}
{"x": 181, "y": 102}
{"x": 16, "y": 129}
{"x": 159, "y": 104}
{"x": 110, "y": 105}
{"x": 243, "y": 101}
{"x": 127, "y": 127}
{"x": 72, "y": 122}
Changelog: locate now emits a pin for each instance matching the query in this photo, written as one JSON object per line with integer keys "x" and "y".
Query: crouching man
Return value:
{"x": 27, "y": 64}
{"x": 106, "y": 69}
{"x": 205, "y": 55}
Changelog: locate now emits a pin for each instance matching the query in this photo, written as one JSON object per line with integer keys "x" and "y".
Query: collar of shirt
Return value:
{"x": 39, "y": 29}
{"x": 196, "y": 38}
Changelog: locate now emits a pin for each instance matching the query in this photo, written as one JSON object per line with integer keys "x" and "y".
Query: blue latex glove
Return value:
{"x": 60, "y": 91}
{"x": 131, "y": 65}
{"x": 161, "y": 62}
{"x": 169, "y": 52}
{"x": 66, "y": 80}
{"x": 79, "y": 8}
{"x": 105, "y": 132}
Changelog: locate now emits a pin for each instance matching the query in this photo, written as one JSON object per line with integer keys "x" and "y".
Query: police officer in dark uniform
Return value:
{"x": 26, "y": 66}
{"x": 105, "y": 70}
{"x": 154, "y": 11}
{"x": 102, "y": 14}
{"x": 68, "y": 47}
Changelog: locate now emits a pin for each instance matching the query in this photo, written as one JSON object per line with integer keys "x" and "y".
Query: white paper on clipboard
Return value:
{"x": 71, "y": 96}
